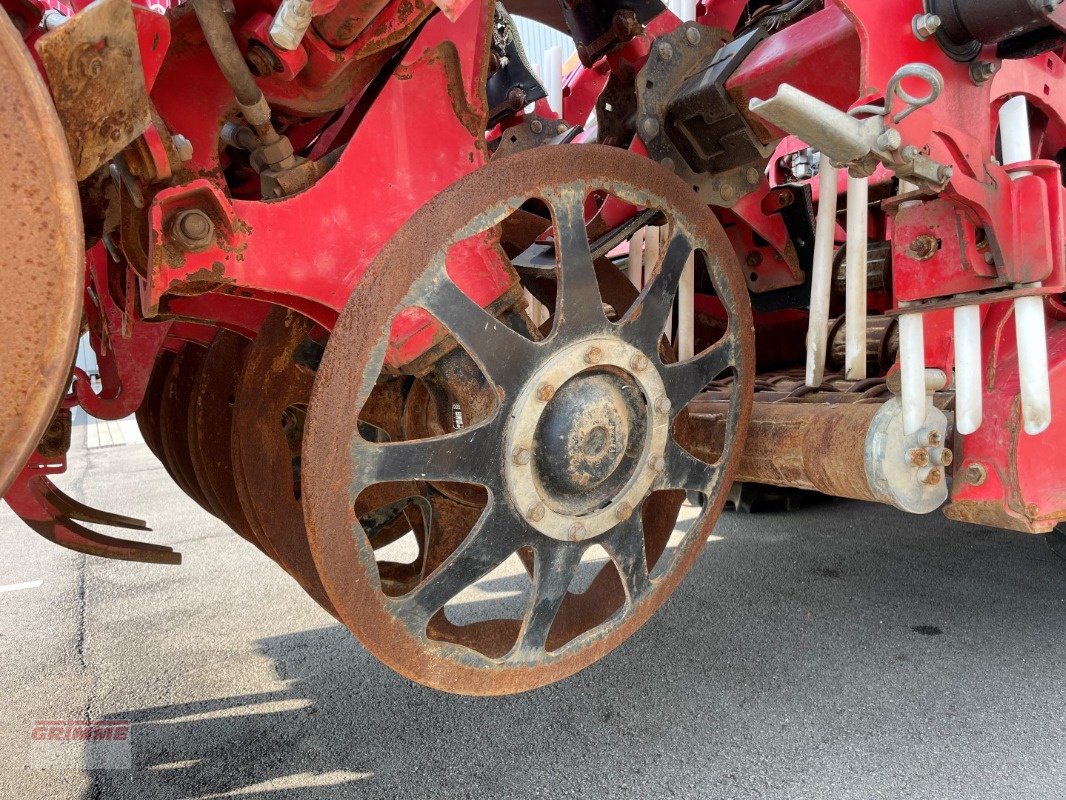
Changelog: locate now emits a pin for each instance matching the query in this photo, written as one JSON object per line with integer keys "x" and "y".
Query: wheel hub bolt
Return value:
{"x": 693, "y": 35}
{"x": 577, "y": 530}
{"x": 919, "y": 457}
{"x": 657, "y": 464}
{"x": 639, "y": 362}
{"x": 545, "y": 392}
{"x": 593, "y": 355}
{"x": 536, "y": 512}
{"x": 931, "y": 476}
{"x": 662, "y": 405}
{"x": 623, "y": 512}
{"x": 522, "y": 456}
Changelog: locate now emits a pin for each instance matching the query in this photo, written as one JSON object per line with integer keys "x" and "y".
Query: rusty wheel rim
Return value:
{"x": 174, "y": 408}
{"x": 407, "y": 632}
{"x": 43, "y": 268}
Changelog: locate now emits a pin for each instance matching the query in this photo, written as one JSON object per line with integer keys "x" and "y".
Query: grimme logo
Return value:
{"x": 81, "y": 744}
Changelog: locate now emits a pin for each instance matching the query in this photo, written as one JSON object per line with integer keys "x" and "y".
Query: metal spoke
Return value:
{"x": 553, "y": 573}
{"x": 579, "y": 306}
{"x": 625, "y": 546}
{"x": 685, "y": 471}
{"x": 497, "y": 535}
{"x": 686, "y": 380}
{"x": 466, "y": 456}
{"x": 498, "y": 349}
{"x": 646, "y": 320}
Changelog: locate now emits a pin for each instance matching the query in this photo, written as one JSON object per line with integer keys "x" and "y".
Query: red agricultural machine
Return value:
{"x": 361, "y": 282}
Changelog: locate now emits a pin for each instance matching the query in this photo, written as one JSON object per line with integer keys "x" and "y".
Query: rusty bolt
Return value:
{"x": 942, "y": 457}
{"x": 925, "y": 25}
{"x": 536, "y": 126}
{"x": 545, "y": 392}
{"x": 536, "y": 512}
{"x": 1032, "y": 511}
{"x": 924, "y": 247}
{"x": 657, "y": 464}
{"x": 192, "y": 230}
{"x": 577, "y": 530}
{"x": 182, "y": 146}
{"x": 623, "y": 512}
{"x": 593, "y": 355}
{"x": 976, "y": 474}
{"x": 918, "y": 457}
{"x": 522, "y": 456}
{"x": 693, "y": 36}
{"x": 982, "y": 71}
{"x": 754, "y": 258}
{"x": 662, "y": 405}
{"x": 262, "y": 61}
{"x": 665, "y": 51}
{"x": 931, "y": 476}
{"x": 935, "y": 439}
{"x": 753, "y": 175}
{"x": 639, "y": 362}
{"x": 727, "y": 192}
{"x": 625, "y": 25}
{"x": 517, "y": 98}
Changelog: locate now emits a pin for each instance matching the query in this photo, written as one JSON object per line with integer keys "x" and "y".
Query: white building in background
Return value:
{"x": 536, "y": 38}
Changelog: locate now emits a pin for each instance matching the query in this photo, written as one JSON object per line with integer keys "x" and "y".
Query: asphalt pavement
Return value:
{"x": 841, "y": 651}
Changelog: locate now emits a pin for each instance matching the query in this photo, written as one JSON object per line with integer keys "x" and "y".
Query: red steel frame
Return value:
{"x": 425, "y": 130}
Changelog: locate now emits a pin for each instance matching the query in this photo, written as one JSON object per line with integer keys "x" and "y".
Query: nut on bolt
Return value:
{"x": 594, "y": 355}
{"x": 925, "y": 25}
{"x": 192, "y": 230}
{"x": 924, "y": 247}
{"x": 522, "y": 456}
{"x": 545, "y": 392}
{"x": 536, "y": 512}
{"x": 623, "y": 512}
{"x": 918, "y": 457}
{"x": 976, "y": 474}
{"x": 983, "y": 71}
{"x": 639, "y": 362}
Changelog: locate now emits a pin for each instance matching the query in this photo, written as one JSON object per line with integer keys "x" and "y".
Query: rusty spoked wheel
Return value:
{"x": 43, "y": 264}
{"x": 578, "y": 446}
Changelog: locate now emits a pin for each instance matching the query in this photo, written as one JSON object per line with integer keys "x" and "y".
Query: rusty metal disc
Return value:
{"x": 560, "y": 631}
{"x": 210, "y": 427}
{"x": 268, "y": 412}
{"x": 148, "y": 412}
{"x": 174, "y": 422}
{"x": 43, "y": 265}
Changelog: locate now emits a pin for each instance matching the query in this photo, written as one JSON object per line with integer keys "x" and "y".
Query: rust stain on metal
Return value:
{"x": 93, "y": 64}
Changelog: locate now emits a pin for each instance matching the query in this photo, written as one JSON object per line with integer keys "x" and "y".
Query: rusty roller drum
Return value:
{"x": 43, "y": 265}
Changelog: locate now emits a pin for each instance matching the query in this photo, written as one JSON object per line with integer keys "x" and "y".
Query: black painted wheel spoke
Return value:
{"x": 647, "y": 318}
{"x": 625, "y": 546}
{"x": 556, "y": 563}
{"x": 579, "y": 304}
{"x": 497, "y": 348}
{"x": 495, "y": 537}
{"x": 686, "y": 380}
{"x": 685, "y": 471}
{"x": 466, "y": 456}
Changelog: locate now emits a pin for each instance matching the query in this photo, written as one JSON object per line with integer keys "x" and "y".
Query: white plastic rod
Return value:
{"x": 822, "y": 280}
{"x": 1014, "y": 132}
{"x": 855, "y": 275}
{"x": 686, "y": 291}
{"x": 1030, "y": 328}
{"x": 1031, "y": 333}
{"x": 651, "y": 253}
{"x": 664, "y": 243}
{"x": 969, "y": 384}
{"x": 553, "y": 78}
{"x": 636, "y": 259}
{"x": 912, "y": 371}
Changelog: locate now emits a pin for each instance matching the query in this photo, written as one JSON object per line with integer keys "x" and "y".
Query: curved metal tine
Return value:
{"x": 498, "y": 349}
{"x": 553, "y": 572}
{"x": 647, "y": 317}
{"x": 69, "y": 534}
{"x": 686, "y": 380}
{"x": 69, "y": 507}
{"x": 685, "y": 471}
{"x": 495, "y": 537}
{"x": 579, "y": 306}
{"x": 470, "y": 455}
{"x": 625, "y": 546}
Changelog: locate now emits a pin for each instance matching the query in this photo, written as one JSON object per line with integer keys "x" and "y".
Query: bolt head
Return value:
{"x": 925, "y": 25}
{"x": 657, "y": 464}
{"x": 577, "y": 530}
{"x": 623, "y": 512}
{"x": 522, "y": 456}
{"x": 935, "y": 439}
{"x": 890, "y": 140}
{"x": 665, "y": 51}
{"x": 536, "y": 512}
{"x": 593, "y": 355}
{"x": 662, "y": 405}
{"x": 918, "y": 456}
{"x": 192, "y": 229}
{"x": 536, "y": 126}
{"x": 976, "y": 474}
{"x": 650, "y": 127}
{"x": 693, "y": 36}
{"x": 545, "y": 392}
{"x": 983, "y": 71}
{"x": 639, "y": 362}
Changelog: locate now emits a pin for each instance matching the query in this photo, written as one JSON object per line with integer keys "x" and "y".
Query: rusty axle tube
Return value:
{"x": 848, "y": 450}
